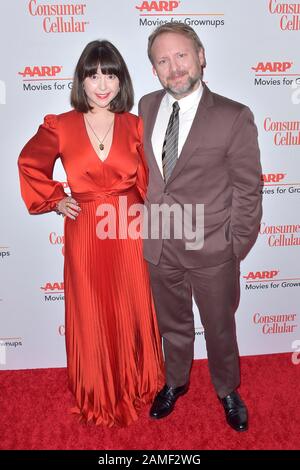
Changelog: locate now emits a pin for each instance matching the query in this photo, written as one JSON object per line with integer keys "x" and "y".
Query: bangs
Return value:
{"x": 108, "y": 63}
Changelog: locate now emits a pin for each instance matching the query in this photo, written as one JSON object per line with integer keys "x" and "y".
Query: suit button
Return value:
{"x": 166, "y": 192}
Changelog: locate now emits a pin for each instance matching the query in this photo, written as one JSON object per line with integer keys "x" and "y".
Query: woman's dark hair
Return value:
{"x": 105, "y": 54}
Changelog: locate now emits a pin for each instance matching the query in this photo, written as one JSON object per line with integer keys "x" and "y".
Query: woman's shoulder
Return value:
{"x": 133, "y": 123}
{"x": 132, "y": 120}
{"x": 53, "y": 120}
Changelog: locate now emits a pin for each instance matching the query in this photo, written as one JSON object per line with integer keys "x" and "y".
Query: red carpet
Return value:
{"x": 34, "y": 408}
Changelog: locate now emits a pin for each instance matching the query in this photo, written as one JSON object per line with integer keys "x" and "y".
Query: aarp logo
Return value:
{"x": 273, "y": 177}
{"x": 272, "y": 67}
{"x": 162, "y": 6}
{"x": 53, "y": 287}
{"x": 261, "y": 275}
{"x": 41, "y": 71}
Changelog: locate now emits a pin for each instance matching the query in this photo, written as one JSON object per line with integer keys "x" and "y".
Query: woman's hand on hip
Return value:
{"x": 68, "y": 207}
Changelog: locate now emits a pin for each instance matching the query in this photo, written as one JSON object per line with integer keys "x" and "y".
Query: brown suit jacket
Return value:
{"x": 219, "y": 166}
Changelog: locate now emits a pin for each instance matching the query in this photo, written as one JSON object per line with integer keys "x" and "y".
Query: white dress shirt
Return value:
{"x": 188, "y": 107}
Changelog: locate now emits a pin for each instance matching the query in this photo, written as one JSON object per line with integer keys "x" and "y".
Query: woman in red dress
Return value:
{"x": 113, "y": 345}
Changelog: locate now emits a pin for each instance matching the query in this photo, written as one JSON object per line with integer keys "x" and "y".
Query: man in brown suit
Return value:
{"x": 201, "y": 149}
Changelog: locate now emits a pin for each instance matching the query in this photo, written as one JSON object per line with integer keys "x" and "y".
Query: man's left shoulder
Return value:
{"x": 228, "y": 104}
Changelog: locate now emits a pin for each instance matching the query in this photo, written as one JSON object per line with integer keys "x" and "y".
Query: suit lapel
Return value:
{"x": 195, "y": 134}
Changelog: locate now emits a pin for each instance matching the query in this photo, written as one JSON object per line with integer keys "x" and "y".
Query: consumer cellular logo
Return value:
{"x": 276, "y": 323}
{"x": 288, "y": 13}
{"x": 57, "y": 240}
{"x": 280, "y": 235}
{"x": 283, "y": 132}
{"x": 59, "y": 18}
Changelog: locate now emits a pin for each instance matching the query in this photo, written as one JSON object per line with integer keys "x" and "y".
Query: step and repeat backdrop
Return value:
{"x": 252, "y": 49}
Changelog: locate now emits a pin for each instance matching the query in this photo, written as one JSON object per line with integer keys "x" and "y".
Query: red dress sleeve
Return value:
{"x": 142, "y": 171}
{"x": 36, "y": 162}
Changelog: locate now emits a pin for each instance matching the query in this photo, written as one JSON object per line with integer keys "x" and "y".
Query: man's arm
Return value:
{"x": 245, "y": 173}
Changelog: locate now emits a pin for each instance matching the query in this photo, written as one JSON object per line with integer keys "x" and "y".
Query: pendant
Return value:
{"x": 101, "y": 146}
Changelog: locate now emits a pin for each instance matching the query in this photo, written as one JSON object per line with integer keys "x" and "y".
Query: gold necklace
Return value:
{"x": 101, "y": 146}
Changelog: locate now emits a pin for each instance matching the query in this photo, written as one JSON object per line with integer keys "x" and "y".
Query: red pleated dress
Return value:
{"x": 113, "y": 346}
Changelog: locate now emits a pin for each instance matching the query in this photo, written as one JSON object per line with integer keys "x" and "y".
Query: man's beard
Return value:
{"x": 186, "y": 89}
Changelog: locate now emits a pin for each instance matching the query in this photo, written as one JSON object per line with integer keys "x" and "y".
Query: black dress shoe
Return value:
{"x": 165, "y": 401}
{"x": 235, "y": 411}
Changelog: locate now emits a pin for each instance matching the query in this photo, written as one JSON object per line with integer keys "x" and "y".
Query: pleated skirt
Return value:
{"x": 114, "y": 357}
